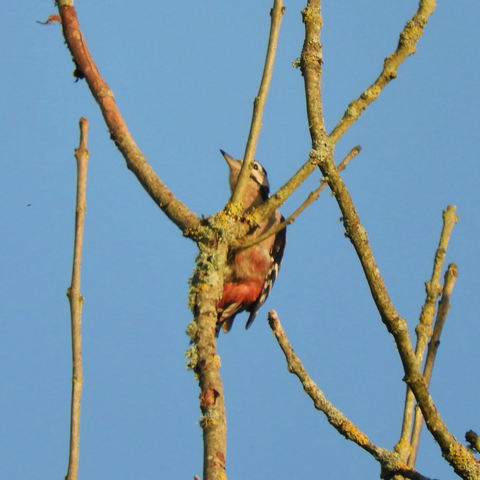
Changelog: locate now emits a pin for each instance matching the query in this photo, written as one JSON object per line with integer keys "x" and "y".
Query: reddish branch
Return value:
{"x": 136, "y": 162}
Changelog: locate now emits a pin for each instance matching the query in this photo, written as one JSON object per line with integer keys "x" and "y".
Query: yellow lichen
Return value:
{"x": 460, "y": 458}
{"x": 234, "y": 209}
{"x": 354, "y": 433}
{"x": 192, "y": 357}
{"x": 207, "y": 421}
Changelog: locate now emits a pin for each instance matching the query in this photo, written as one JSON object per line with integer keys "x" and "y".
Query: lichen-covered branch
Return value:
{"x": 206, "y": 287}
{"x": 390, "y": 462}
{"x": 322, "y": 155}
{"x": 406, "y": 46}
{"x": 212, "y": 400}
{"x": 455, "y": 453}
{"x": 136, "y": 161}
{"x": 76, "y": 302}
{"x": 311, "y": 60}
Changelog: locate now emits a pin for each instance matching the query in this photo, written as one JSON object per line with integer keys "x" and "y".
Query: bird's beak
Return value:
{"x": 230, "y": 160}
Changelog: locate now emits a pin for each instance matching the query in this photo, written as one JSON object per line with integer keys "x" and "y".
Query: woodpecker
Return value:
{"x": 251, "y": 272}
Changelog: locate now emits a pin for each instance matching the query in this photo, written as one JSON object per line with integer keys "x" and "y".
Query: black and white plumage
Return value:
{"x": 251, "y": 272}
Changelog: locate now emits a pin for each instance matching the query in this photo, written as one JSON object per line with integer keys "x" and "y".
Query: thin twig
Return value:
{"x": 311, "y": 67}
{"x": 451, "y": 276}
{"x": 312, "y": 197}
{"x": 50, "y": 20}
{"x": 390, "y": 461}
{"x": 259, "y": 102}
{"x": 424, "y": 328}
{"x": 434, "y": 288}
{"x": 76, "y": 302}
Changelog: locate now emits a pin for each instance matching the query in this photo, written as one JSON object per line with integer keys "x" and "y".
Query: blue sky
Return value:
{"x": 185, "y": 76}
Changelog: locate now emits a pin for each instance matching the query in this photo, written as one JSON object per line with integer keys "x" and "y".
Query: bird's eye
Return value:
{"x": 255, "y": 166}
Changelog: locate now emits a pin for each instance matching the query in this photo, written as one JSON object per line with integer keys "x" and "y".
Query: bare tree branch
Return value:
{"x": 76, "y": 302}
{"x": 259, "y": 103}
{"x": 390, "y": 462}
{"x": 443, "y": 308}
{"x": 451, "y": 276}
{"x": 136, "y": 161}
{"x": 454, "y": 452}
{"x": 310, "y": 60}
{"x": 434, "y": 288}
{"x": 322, "y": 154}
{"x": 424, "y": 328}
{"x": 406, "y": 46}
